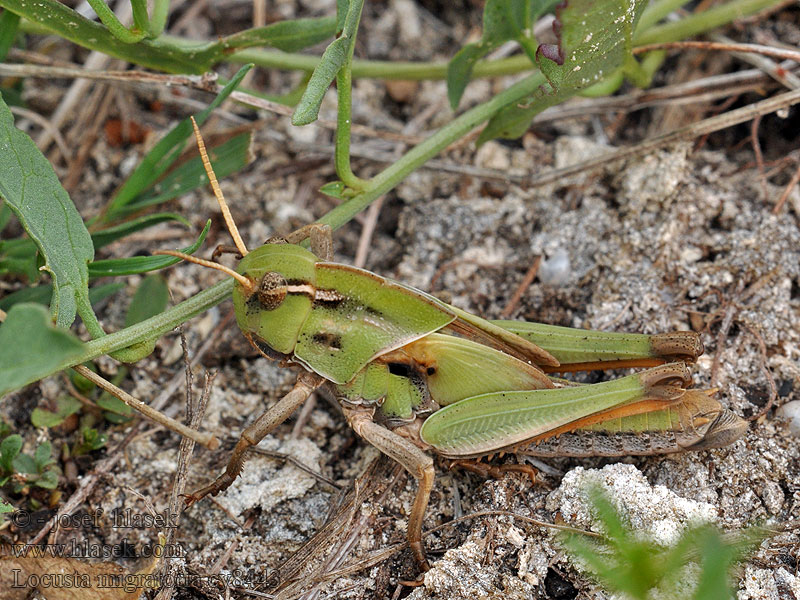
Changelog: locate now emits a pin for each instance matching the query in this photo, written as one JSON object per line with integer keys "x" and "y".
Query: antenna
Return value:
{"x": 212, "y": 178}
{"x": 245, "y": 281}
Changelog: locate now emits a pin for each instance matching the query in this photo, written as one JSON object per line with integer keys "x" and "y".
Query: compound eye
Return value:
{"x": 271, "y": 290}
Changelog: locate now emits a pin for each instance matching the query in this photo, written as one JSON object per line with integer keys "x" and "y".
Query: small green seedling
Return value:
{"x": 90, "y": 440}
{"x": 635, "y": 567}
{"x": 415, "y": 375}
{"x": 21, "y": 470}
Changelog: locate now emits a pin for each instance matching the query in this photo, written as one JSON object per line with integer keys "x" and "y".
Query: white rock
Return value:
{"x": 655, "y": 511}
{"x": 791, "y": 413}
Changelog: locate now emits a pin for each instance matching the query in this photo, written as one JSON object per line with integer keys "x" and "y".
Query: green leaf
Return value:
{"x": 333, "y": 59}
{"x": 117, "y": 29}
{"x": 5, "y": 507}
{"x": 589, "y": 50}
{"x": 9, "y": 22}
{"x": 114, "y": 405}
{"x": 45, "y": 348}
{"x": 32, "y": 190}
{"x": 167, "y": 53}
{"x": 226, "y": 158}
{"x": 341, "y": 14}
{"x": 289, "y": 36}
{"x": 67, "y": 405}
{"x": 150, "y": 299}
{"x": 41, "y": 294}
{"x": 141, "y": 264}
{"x": 503, "y": 20}
{"x": 165, "y": 153}
{"x": 91, "y": 440}
{"x": 45, "y": 418}
{"x": 48, "y": 480}
{"x": 334, "y": 189}
{"x": 459, "y": 70}
{"x": 5, "y": 215}
{"x": 9, "y": 449}
{"x": 42, "y": 454}
{"x": 19, "y": 257}
{"x": 24, "y": 463}
{"x": 111, "y": 234}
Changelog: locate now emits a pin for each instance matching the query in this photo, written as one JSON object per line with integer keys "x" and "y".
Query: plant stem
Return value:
{"x": 154, "y": 326}
{"x": 159, "y": 18}
{"x": 657, "y": 11}
{"x": 700, "y": 22}
{"x": 117, "y": 29}
{"x": 344, "y": 90}
{"x": 417, "y": 156}
{"x": 381, "y": 69}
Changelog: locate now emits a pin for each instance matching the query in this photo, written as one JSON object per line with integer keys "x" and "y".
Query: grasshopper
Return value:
{"x": 415, "y": 376}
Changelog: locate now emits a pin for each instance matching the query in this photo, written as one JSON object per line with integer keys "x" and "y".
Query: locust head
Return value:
{"x": 274, "y": 284}
{"x": 276, "y": 304}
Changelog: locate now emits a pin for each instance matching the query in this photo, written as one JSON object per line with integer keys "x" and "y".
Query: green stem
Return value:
{"x": 176, "y": 55}
{"x": 159, "y": 18}
{"x": 117, "y": 29}
{"x": 657, "y": 11}
{"x": 344, "y": 90}
{"x": 700, "y": 22}
{"x": 342, "y": 148}
{"x": 417, "y": 156}
{"x": 89, "y": 318}
{"x": 140, "y": 18}
{"x": 153, "y": 327}
{"x": 381, "y": 69}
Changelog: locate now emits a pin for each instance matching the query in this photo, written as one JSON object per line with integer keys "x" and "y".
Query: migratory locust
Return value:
{"x": 416, "y": 376}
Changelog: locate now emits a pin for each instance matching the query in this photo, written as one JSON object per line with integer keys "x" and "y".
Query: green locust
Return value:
{"x": 415, "y": 376}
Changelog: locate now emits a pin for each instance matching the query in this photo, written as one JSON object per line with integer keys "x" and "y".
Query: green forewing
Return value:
{"x": 375, "y": 316}
{"x": 489, "y": 422}
{"x": 502, "y": 339}
{"x": 570, "y": 345}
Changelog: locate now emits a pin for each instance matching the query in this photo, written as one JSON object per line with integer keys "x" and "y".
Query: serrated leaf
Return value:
{"x": 45, "y": 418}
{"x": 595, "y": 42}
{"x": 32, "y": 190}
{"x": 329, "y": 65}
{"x": 141, "y": 264}
{"x": 111, "y": 234}
{"x": 46, "y": 346}
{"x": 150, "y": 299}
